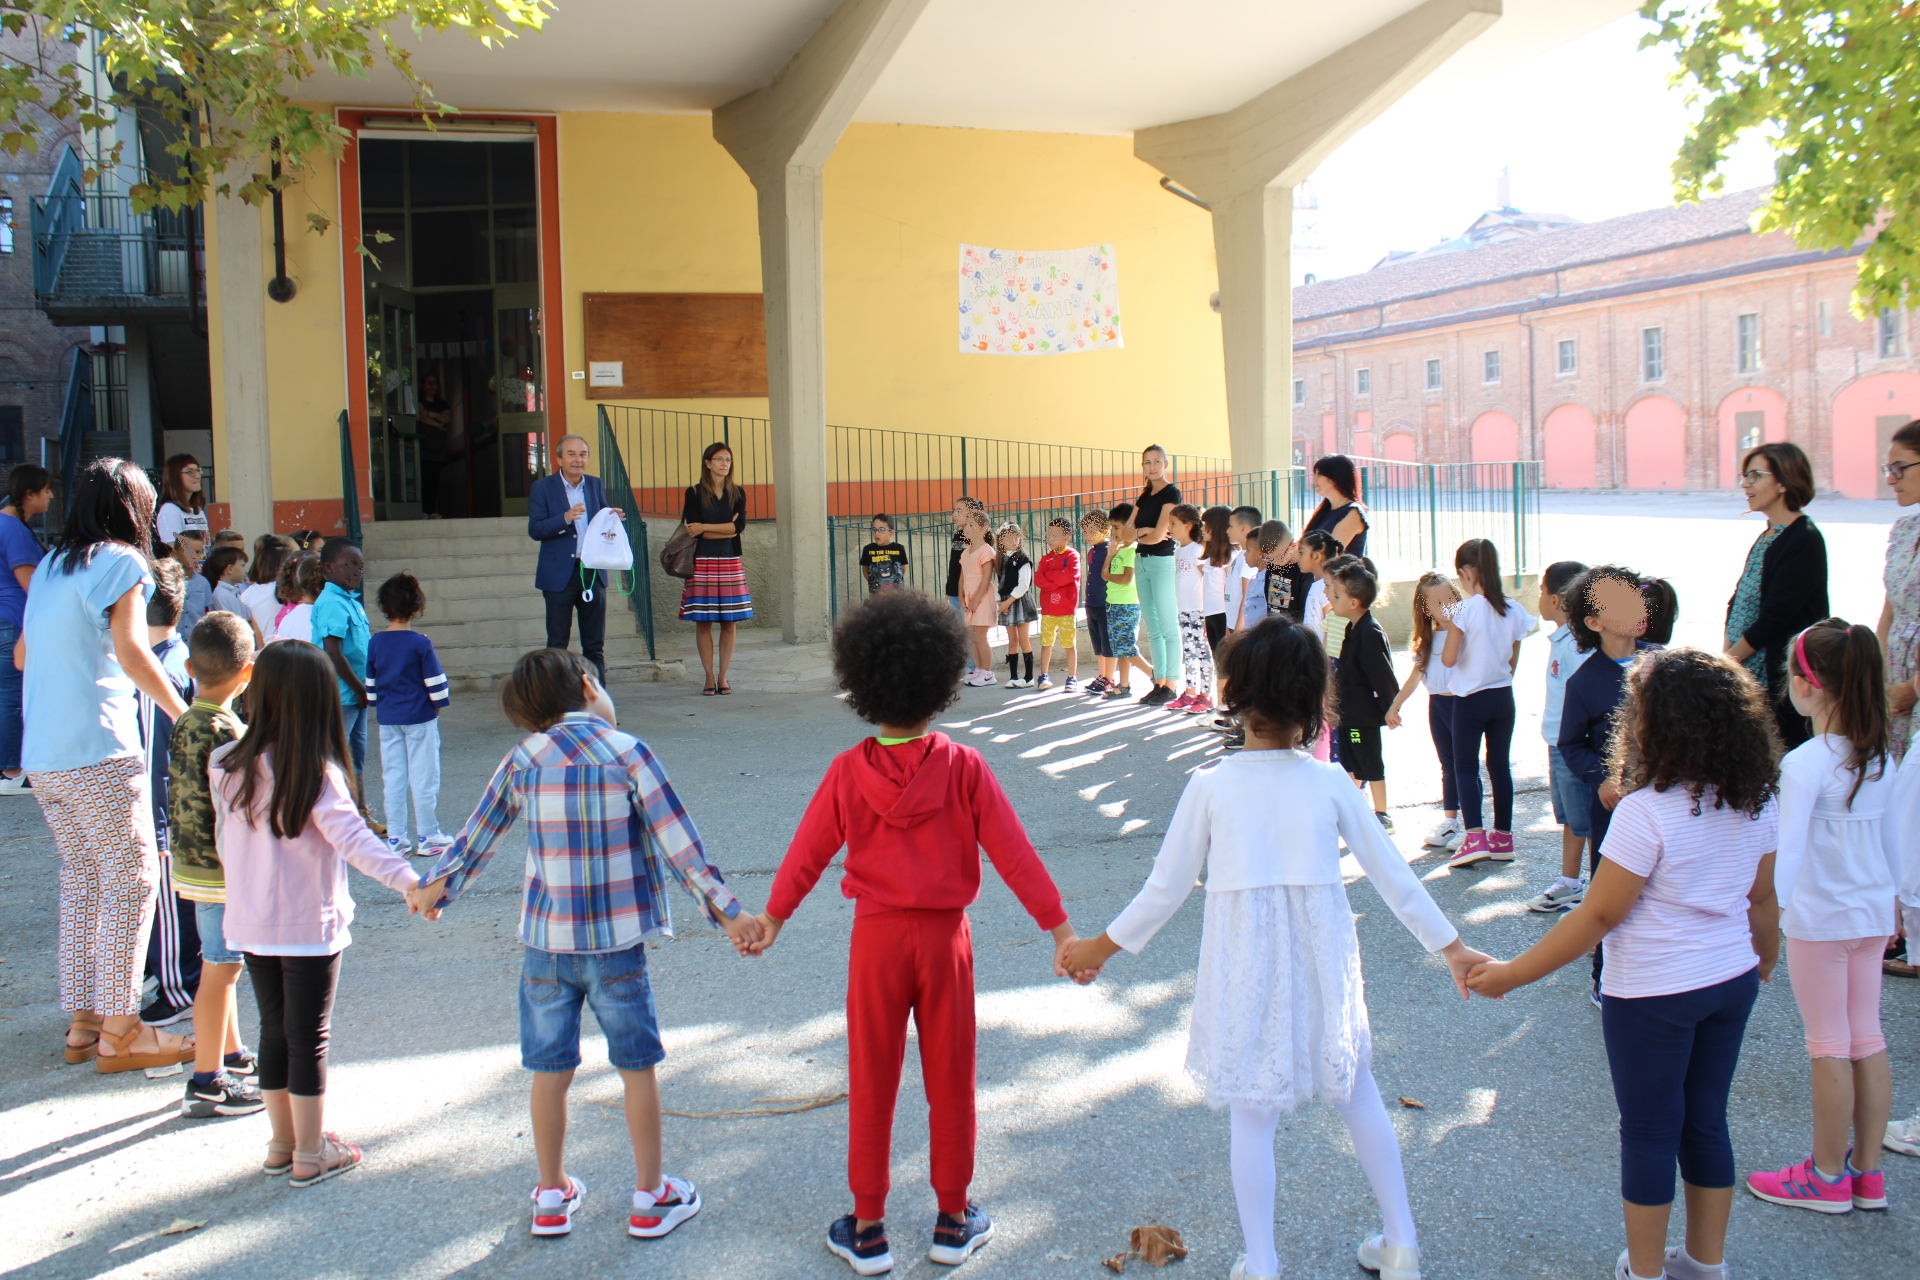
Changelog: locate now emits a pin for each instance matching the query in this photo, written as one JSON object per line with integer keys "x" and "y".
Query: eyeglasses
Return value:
{"x": 189, "y": 471}
{"x": 1755, "y": 477}
{"x": 1897, "y": 471}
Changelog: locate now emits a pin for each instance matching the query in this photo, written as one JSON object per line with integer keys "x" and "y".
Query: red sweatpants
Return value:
{"x": 918, "y": 962}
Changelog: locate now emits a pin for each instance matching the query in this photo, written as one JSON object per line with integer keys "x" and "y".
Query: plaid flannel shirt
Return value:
{"x": 601, "y": 819}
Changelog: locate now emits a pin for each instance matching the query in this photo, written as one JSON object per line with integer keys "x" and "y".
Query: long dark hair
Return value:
{"x": 174, "y": 489}
{"x": 112, "y": 502}
{"x": 1217, "y": 521}
{"x": 1844, "y": 663}
{"x": 1338, "y": 468}
{"x": 1698, "y": 721}
{"x": 1480, "y": 555}
{"x": 728, "y": 489}
{"x": 1275, "y": 676}
{"x": 293, "y": 712}
{"x": 270, "y": 551}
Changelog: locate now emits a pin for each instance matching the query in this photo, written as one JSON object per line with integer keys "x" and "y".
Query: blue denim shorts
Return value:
{"x": 1572, "y": 798}
{"x": 211, "y": 919}
{"x": 553, "y": 985}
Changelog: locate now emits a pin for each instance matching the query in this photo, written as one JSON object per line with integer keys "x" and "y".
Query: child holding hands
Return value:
{"x": 1014, "y": 580}
{"x": 1279, "y": 1015}
{"x": 913, "y": 810}
{"x": 1057, "y": 581}
{"x": 978, "y": 576}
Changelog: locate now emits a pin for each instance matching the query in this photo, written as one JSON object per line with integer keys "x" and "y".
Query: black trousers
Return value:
{"x": 295, "y": 995}
{"x": 562, "y": 605}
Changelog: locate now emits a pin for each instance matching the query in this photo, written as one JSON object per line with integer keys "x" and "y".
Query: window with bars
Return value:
{"x": 1653, "y": 355}
{"x": 1363, "y": 382}
{"x": 1889, "y": 337}
{"x": 1746, "y": 342}
{"x": 1433, "y": 375}
{"x": 1566, "y": 356}
{"x": 1490, "y": 366}
{"x": 1299, "y": 390}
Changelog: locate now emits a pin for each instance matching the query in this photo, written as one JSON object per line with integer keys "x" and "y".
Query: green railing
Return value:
{"x": 349, "y": 484}
{"x": 619, "y": 486}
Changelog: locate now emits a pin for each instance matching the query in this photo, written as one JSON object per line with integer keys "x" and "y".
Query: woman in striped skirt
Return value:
{"x": 716, "y": 514}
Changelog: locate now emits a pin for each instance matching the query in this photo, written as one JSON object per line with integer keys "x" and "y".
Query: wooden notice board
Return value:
{"x": 676, "y": 345}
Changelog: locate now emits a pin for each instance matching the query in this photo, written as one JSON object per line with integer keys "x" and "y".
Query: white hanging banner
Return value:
{"x": 1038, "y": 302}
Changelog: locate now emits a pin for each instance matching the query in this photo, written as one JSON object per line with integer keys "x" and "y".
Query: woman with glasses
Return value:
{"x": 183, "y": 502}
{"x": 1900, "y": 619}
{"x": 1783, "y": 589}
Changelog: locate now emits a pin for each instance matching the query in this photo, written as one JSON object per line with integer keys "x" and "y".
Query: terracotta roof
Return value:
{"x": 1633, "y": 233}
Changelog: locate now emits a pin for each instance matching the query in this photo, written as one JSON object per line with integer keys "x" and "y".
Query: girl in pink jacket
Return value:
{"x": 286, "y": 824}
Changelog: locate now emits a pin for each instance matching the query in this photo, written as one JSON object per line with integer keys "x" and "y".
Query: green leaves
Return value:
{"x": 1831, "y": 87}
{"x": 224, "y": 75}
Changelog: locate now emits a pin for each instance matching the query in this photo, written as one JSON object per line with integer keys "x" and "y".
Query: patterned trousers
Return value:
{"x": 102, "y": 822}
{"x": 1196, "y": 654}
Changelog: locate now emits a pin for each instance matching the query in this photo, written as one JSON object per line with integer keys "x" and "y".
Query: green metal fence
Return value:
{"x": 638, "y": 587}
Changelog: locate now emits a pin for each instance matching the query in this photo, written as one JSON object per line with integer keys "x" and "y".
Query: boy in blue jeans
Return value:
{"x": 1570, "y": 799}
{"x": 594, "y": 896}
{"x": 406, "y": 685}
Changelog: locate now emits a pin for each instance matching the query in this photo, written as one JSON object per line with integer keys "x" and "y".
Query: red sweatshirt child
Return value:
{"x": 913, "y": 817}
{"x": 1057, "y": 579}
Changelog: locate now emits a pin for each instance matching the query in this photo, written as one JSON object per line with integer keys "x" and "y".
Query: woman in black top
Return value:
{"x": 715, "y": 512}
{"x": 1338, "y": 483}
{"x": 1783, "y": 589}
{"x": 1159, "y": 602}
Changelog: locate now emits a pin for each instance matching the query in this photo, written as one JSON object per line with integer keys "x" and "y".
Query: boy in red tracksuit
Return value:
{"x": 1057, "y": 579}
{"x": 913, "y": 810}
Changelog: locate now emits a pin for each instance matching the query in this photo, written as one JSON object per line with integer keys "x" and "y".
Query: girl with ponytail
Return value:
{"x": 1837, "y": 877}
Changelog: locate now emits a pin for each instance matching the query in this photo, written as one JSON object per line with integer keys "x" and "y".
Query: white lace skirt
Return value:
{"x": 1279, "y": 1009}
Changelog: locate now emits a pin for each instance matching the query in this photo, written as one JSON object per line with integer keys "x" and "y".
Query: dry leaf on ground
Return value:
{"x": 179, "y": 1225}
{"x": 1158, "y": 1245}
{"x": 1117, "y": 1263}
{"x": 793, "y": 1105}
{"x": 1415, "y": 1103}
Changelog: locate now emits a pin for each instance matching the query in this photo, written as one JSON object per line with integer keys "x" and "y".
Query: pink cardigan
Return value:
{"x": 289, "y": 897}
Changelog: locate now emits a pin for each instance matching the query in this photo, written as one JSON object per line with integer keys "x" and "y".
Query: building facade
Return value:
{"x": 1642, "y": 352}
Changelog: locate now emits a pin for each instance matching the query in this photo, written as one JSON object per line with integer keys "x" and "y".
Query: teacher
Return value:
{"x": 1159, "y": 601}
{"x": 559, "y": 508}
{"x": 715, "y": 513}
{"x": 1783, "y": 589}
{"x": 1900, "y": 618}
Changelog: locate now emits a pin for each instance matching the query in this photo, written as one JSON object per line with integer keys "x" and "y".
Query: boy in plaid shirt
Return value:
{"x": 593, "y": 898}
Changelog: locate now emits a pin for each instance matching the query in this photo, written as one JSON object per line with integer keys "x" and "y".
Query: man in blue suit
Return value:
{"x": 559, "y": 507}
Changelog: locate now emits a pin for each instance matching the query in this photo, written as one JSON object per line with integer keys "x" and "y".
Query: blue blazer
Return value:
{"x": 547, "y": 525}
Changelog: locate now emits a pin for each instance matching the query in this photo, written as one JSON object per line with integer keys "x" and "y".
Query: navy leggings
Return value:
{"x": 1440, "y": 725}
{"x": 1672, "y": 1059}
{"x": 1489, "y": 714}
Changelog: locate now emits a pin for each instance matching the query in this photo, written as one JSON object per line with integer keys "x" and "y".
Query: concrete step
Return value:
{"x": 513, "y": 545}
{"x": 530, "y": 633}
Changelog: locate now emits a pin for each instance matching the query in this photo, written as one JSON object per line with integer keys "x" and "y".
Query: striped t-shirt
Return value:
{"x": 1689, "y": 928}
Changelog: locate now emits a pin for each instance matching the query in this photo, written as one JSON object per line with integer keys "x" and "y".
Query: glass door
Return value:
{"x": 522, "y": 395}
{"x": 392, "y": 408}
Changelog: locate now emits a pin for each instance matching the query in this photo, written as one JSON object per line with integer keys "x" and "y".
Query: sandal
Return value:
{"x": 91, "y": 1049}
{"x": 273, "y": 1170}
{"x": 124, "y": 1058}
{"x": 348, "y": 1157}
{"x": 707, "y": 692}
{"x": 725, "y": 688}
{"x": 1892, "y": 968}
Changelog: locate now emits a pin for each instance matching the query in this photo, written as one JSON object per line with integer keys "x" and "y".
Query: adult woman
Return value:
{"x": 1783, "y": 589}
{"x": 432, "y": 418}
{"x": 1899, "y": 627}
{"x": 715, "y": 512}
{"x": 86, "y": 655}
{"x": 182, "y": 504}
{"x": 29, "y": 490}
{"x": 1338, "y": 483}
{"x": 1159, "y": 603}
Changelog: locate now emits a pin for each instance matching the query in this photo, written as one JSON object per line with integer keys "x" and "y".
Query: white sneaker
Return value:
{"x": 1557, "y": 897}
{"x": 1457, "y": 839}
{"x": 1903, "y": 1136}
{"x": 981, "y": 679}
{"x": 1400, "y": 1262}
{"x": 553, "y": 1208}
{"x": 1240, "y": 1271}
{"x": 1682, "y": 1267}
{"x": 399, "y": 846}
{"x": 17, "y": 786}
{"x": 435, "y": 845}
{"x": 1621, "y": 1271}
{"x": 1020, "y": 683}
{"x": 1438, "y": 837}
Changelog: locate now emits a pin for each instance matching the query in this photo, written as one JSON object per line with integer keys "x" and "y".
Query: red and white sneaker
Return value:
{"x": 654, "y": 1216}
{"x": 554, "y": 1207}
{"x": 1473, "y": 849}
{"x": 1181, "y": 703}
{"x": 1800, "y": 1186}
{"x": 1500, "y": 846}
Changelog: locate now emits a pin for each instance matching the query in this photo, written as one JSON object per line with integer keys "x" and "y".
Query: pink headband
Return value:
{"x": 1800, "y": 660}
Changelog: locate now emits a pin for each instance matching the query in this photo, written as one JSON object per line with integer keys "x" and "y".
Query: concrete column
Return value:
{"x": 245, "y": 478}
{"x": 782, "y": 135}
{"x": 1245, "y": 164}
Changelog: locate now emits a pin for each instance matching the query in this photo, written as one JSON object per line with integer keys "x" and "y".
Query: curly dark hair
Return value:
{"x": 1276, "y": 677}
{"x": 1577, "y": 600}
{"x": 900, "y": 656}
{"x": 402, "y": 597}
{"x": 1696, "y": 720}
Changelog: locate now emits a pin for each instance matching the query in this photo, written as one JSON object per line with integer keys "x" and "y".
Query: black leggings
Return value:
{"x": 295, "y": 995}
{"x": 1440, "y": 725}
{"x": 1489, "y": 714}
{"x": 1216, "y": 629}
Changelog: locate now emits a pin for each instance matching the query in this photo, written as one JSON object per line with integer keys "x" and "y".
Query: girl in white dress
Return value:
{"x": 1279, "y": 1010}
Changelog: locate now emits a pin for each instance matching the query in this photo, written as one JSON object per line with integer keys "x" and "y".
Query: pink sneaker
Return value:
{"x": 1500, "y": 846}
{"x": 1181, "y": 703}
{"x": 1473, "y": 849}
{"x": 1869, "y": 1189}
{"x": 1799, "y": 1186}
{"x": 1200, "y": 705}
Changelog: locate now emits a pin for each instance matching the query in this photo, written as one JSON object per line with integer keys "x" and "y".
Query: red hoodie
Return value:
{"x": 1057, "y": 577}
{"x": 913, "y": 818}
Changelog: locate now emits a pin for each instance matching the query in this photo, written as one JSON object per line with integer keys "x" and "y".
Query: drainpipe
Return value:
{"x": 1533, "y": 412}
{"x": 280, "y": 288}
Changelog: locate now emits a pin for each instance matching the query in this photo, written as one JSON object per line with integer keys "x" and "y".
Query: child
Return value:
{"x": 1433, "y": 597}
{"x": 340, "y": 627}
{"x": 1482, "y": 650}
{"x": 1057, "y": 577}
{"x": 1215, "y": 556}
{"x": 1252, "y": 593}
{"x": 301, "y": 582}
{"x": 1123, "y": 599}
{"x": 1663, "y": 610}
{"x": 173, "y": 945}
{"x": 261, "y": 594}
{"x": 1364, "y": 684}
{"x": 407, "y": 686}
{"x": 1571, "y": 800}
{"x": 1279, "y": 1015}
{"x": 220, "y": 660}
{"x": 595, "y": 885}
{"x": 189, "y": 549}
{"x": 913, "y": 810}
{"x": 1276, "y": 549}
{"x": 1685, "y": 901}
{"x": 961, "y": 506}
{"x": 1837, "y": 875}
{"x": 286, "y": 827}
{"x": 1093, "y": 527}
{"x": 1317, "y": 546}
{"x": 1013, "y": 575}
{"x": 884, "y": 561}
{"x": 1243, "y": 525}
{"x": 1190, "y": 594}
{"x": 217, "y": 585}
{"x": 977, "y": 579}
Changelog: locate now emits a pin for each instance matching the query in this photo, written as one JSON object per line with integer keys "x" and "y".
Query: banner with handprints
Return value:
{"x": 1038, "y": 302}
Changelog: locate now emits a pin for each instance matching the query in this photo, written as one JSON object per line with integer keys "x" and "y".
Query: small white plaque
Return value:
{"x": 605, "y": 373}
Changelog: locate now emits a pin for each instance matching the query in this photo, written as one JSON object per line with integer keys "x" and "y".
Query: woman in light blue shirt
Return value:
{"x": 85, "y": 637}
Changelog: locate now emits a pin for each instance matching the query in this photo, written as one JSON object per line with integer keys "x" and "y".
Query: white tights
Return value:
{"x": 1374, "y": 1144}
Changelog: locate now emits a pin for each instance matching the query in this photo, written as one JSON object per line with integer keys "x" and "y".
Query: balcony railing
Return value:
{"x": 89, "y": 245}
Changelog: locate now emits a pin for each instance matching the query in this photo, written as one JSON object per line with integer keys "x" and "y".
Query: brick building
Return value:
{"x": 1642, "y": 352}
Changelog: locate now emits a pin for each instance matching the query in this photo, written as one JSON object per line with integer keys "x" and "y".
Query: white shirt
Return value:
{"x": 1563, "y": 659}
{"x": 173, "y": 517}
{"x": 261, "y": 604}
{"x": 1232, "y": 583}
{"x": 1485, "y": 660}
{"x": 1437, "y": 676}
{"x": 1225, "y": 823}
{"x": 1316, "y": 606}
{"x": 577, "y": 497}
{"x": 1213, "y": 588}
{"x": 1839, "y": 870}
{"x": 1189, "y": 586}
{"x": 1689, "y": 928}
{"x": 297, "y": 625}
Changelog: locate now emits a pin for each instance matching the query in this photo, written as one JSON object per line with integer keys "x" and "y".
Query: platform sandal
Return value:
{"x": 77, "y": 1053}
{"x": 349, "y": 1157}
{"x": 123, "y": 1059}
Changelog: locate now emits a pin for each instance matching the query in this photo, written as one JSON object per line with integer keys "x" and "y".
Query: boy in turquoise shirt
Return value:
{"x": 340, "y": 627}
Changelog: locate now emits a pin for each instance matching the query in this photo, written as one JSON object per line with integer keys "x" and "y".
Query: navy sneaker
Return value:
{"x": 955, "y": 1239}
{"x": 865, "y": 1251}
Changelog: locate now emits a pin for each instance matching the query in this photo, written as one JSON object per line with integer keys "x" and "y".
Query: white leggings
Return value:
{"x": 1374, "y": 1143}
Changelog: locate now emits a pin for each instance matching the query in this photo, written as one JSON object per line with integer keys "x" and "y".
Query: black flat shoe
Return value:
{"x": 725, "y": 688}
{"x": 707, "y": 692}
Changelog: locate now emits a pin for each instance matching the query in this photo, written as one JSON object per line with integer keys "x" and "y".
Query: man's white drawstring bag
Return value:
{"x": 605, "y": 545}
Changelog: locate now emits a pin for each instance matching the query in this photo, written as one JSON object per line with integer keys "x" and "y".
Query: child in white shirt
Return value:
{"x": 1482, "y": 650}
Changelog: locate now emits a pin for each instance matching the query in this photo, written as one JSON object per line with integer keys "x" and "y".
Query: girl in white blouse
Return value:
{"x": 1279, "y": 1015}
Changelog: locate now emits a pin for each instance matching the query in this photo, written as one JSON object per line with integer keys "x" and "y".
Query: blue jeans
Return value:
{"x": 356, "y": 721}
{"x": 211, "y": 917}
{"x": 1440, "y": 726}
{"x": 10, "y": 723}
{"x": 1572, "y": 799}
{"x": 553, "y": 986}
